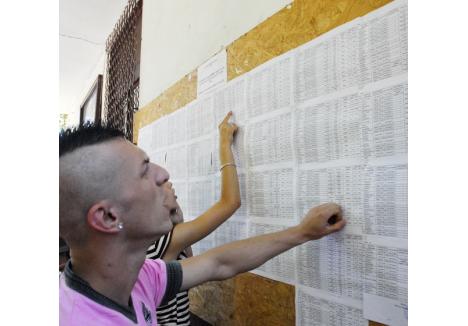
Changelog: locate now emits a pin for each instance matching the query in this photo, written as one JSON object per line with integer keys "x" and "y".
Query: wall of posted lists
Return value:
{"x": 327, "y": 121}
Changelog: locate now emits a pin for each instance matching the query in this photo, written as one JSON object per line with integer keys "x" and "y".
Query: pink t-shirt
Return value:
{"x": 80, "y": 305}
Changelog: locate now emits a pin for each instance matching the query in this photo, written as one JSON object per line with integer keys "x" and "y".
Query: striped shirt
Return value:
{"x": 176, "y": 311}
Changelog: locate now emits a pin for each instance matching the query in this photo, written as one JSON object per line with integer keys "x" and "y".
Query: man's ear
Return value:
{"x": 103, "y": 217}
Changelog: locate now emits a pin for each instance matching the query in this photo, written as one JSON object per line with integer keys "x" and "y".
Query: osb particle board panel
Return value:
{"x": 249, "y": 299}
{"x": 246, "y": 299}
{"x": 214, "y": 302}
{"x": 296, "y": 24}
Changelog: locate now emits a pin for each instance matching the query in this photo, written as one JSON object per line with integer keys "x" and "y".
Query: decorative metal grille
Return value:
{"x": 123, "y": 69}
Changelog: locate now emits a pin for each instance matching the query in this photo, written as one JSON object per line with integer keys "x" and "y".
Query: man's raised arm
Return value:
{"x": 241, "y": 256}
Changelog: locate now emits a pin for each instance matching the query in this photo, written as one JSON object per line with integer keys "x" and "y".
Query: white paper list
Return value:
{"x": 386, "y": 281}
{"x": 159, "y": 134}
{"x": 269, "y": 141}
{"x": 269, "y": 86}
{"x": 200, "y": 119}
{"x": 231, "y": 98}
{"x": 368, "y": 49}
{"x": 341, "y": 185}
{"x": 176, "y": 162}
{"x": 386, "y": 271}
{"x": 386, "y": 200}
{"x": 200, "y": 197}
{"x": 212, "y": 74}
{"x": 238, "y": 150}
{"x": 176, "y": 127}
{"x": 232, "y": 230}
{"x": 388, "y": 40}
{"x": 199, "y": 154}
{"x": 204, "y": 245}
{"x": 329, "y": 130}
{"x": 314, "y": 309}
{"x": 241, "y": 211}
{"x": 144, "y": 138}
{"x": 270, "y": 194}
{"x": 333, "y": 264}
{"x": 372, "y": 123}
{"x": 312, "y": 72}
{"x": 281, "y": 267}
{"x": 158, "y": 157}
{"x": 385, "y": 120}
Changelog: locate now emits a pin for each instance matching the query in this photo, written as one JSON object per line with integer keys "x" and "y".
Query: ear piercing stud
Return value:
{"x": 120, "y": 226}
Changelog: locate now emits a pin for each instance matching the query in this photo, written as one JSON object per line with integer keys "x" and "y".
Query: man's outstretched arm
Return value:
{"x": 241, "y": 256}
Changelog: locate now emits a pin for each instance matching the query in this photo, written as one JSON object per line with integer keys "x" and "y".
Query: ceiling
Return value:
{"x": 84, "y": 26}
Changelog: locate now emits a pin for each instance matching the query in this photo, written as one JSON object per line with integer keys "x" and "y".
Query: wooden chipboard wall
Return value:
{"x": 249, "y": 299}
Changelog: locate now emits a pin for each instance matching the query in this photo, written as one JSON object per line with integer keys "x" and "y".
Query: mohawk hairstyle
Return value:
{"x": 88, "y": 134}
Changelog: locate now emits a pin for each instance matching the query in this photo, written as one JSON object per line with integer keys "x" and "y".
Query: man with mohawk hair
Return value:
{"x": 113, "y": 204}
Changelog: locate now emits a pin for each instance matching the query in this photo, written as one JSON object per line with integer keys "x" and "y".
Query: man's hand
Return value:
{"x": 322, "y": 220}
{"x": 227, "y": 130}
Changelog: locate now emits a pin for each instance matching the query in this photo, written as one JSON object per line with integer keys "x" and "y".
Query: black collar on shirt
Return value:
{"x": 81, "y": 286}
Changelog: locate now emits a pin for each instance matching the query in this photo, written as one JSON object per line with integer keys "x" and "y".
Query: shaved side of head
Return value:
{"x": 89, "y": 172}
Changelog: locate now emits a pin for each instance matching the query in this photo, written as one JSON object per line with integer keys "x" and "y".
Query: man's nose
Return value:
{"x": 162, "y": 176}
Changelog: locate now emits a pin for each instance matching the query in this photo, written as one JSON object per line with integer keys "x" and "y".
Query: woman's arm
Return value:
{"x": 188, "y": 233}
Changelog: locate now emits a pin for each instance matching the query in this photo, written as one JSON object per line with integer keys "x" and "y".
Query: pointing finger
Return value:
{"x": 226, "y": 118}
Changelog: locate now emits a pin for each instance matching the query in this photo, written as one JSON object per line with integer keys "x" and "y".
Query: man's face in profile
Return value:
{"x": 145, "y": 193}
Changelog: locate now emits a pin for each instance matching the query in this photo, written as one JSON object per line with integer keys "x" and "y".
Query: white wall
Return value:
{"x": 179, "y": 35}
{"x": 84, "y": 26}
{"x": 88, "y": 83}
{"x": 73, "y": 92}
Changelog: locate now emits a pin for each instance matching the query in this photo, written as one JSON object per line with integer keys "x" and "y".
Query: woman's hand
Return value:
{"x": 227, "y": 130}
